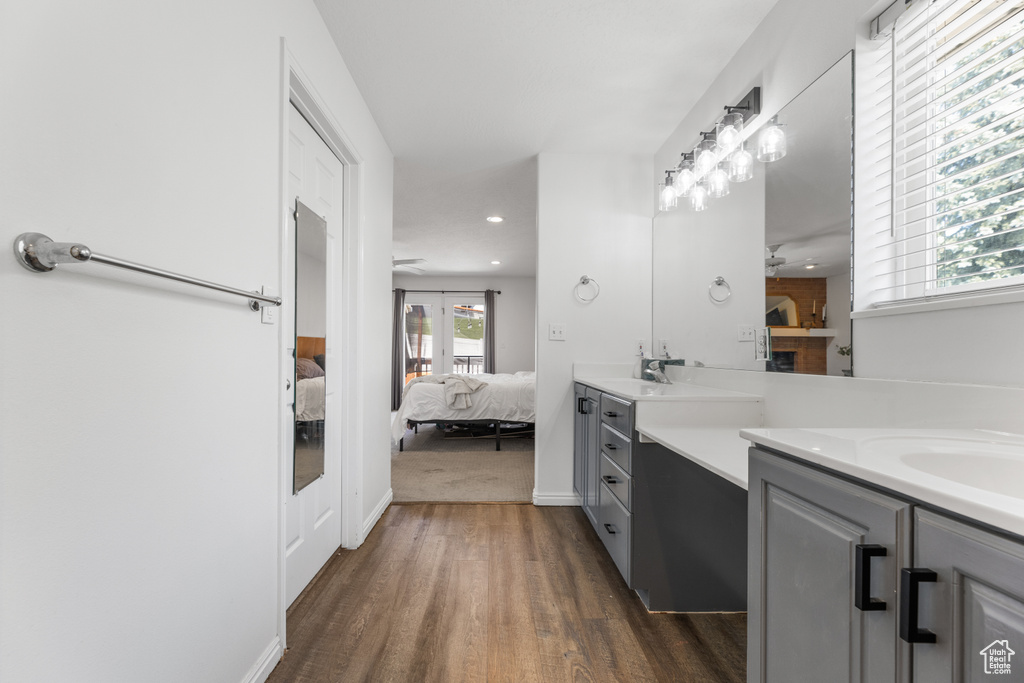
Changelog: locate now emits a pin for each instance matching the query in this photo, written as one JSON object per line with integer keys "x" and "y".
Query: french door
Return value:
{"x": 443, "y": 334}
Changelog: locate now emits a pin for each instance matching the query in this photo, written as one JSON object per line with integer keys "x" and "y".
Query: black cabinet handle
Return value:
{"x": 862, "y": 599}
{"x": 609, "y": 528}
{"x": 910, "y": 581}
{"x": 611, "y": 447}
{"x": 611, "y": 413}
{"x": 610, "y": 479}
{"x": 580, "y": 405}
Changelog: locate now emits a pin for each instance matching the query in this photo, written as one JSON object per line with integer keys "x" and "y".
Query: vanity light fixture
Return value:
{"x": 727, "y": 132}
{"x": 685, "y": 176}
{"x": 667, "y": 197}
{"x": 494, "y": 219}
{"x": 771, "y": 141}
{"x": 705, "y": 155}
{"x": 495, "y": 263}
{"x": 699, "y": 198}
{"x": 741, "y": 165}
{"x": 721, "y": 157}
{"x": 718, "y": 183}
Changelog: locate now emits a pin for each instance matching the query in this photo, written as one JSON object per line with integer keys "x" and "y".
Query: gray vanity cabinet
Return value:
{"x": 824, "y": 559}
{"x": 974, "y": 608}
{"x": 587, "y": 449}
{"x": 579, "y": 439}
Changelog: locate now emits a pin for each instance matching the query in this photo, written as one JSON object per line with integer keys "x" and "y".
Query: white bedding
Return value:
{"x": 309, "y": 399}
{"x": 508, "y": 398}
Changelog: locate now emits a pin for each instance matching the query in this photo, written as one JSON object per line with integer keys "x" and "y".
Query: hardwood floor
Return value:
{"x": 449, "y": 592}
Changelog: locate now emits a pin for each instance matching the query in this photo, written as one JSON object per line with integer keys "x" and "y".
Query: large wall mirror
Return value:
{"x": 782, "y": 242}
{"x": 310, "y": 345}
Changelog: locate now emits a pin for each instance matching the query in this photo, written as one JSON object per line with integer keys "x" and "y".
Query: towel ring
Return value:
{"x": 719, "y": 282}
{"x": 583, "y": 282}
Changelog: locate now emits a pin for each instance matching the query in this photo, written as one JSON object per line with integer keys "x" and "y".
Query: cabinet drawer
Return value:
{"x": 615, "y": 529}
{"x": 617, "y": 481}
{"x": 617, "y": 413}
{"x": 617, "y": 447}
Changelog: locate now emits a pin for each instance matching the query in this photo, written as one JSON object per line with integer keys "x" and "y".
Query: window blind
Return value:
{"x": 957, "y": 173}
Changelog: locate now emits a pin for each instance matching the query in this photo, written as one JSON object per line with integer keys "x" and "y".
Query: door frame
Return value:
{"x": 296, "y": 88}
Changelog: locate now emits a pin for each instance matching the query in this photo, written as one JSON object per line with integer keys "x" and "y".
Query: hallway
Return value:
{"x": 448, "y": 592}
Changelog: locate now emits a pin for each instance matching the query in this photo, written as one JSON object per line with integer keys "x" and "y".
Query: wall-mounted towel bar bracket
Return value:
{"x": 40, "y": 254}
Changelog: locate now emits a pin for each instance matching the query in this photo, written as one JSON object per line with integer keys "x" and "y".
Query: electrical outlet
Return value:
{"x": 746, "y": 333}
{"x": 556, "y": 332}
{"x": 663, "y": 347}
{"x": 641, "y": 347}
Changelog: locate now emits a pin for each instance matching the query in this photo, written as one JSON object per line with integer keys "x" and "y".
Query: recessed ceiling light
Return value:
{"x": 495, "y": 263}
{"x": 494, "y": 219}
{"x": 810, "y": 265}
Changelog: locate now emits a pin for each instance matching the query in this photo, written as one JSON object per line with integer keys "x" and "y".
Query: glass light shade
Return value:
{"x": 705, "y": 157}
{"x": 699, "y": 198}
{"x": 741, "y": 166}
{"x": 718, "y": 183}
{"x": 667, "y": 198}
{"x": 771, "y": 143}
{"x": 728, "y": 133}
{"x": 685, "y": 179}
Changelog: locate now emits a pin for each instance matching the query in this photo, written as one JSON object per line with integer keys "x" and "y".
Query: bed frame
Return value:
{"x": 518, "y": 431}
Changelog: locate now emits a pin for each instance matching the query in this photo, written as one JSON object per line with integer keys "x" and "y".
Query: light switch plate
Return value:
{"x": 746, "y": 333}
{"x": 556, "y": 332}
{"x": 268, "y": 312}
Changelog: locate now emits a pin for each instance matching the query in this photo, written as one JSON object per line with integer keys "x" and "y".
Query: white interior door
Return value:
{"x": 313, "y": 515}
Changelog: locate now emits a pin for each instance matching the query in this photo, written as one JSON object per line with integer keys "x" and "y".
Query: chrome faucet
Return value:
{"x": 654, "y": 372}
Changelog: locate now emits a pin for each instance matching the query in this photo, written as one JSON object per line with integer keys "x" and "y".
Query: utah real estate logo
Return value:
{"x": 997, "y": 657}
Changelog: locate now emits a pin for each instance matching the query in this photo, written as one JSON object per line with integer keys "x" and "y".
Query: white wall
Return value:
{"x": 692, "y": 249}
{"x": 516, "y": 323}
{"x": 837, "y": 293}
{"x": 594, "y": 219}
{"x": 139, "y": 465}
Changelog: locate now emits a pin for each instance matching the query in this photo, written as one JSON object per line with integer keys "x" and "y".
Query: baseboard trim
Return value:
{"x": 261, "y": 670}
{"x": 375, "y": 516}
{"x": 555, "y": 499}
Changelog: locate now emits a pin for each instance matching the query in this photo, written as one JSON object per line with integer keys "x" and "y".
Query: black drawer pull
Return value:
{"x": 581, "y": 406}
{"x": 910, "y": 582}
{"x": 611, "y": 413}
{"x": 611, "y": 447}
{"x": 862, "y": 599}
{"x": 610, "y": 479}
{"x": 609, "y": 528}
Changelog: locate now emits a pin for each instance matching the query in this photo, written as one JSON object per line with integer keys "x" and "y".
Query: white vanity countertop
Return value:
{"x": 643, "y": 390}
{"x": 973, "y": 472}
{"x": 718, "y": 449}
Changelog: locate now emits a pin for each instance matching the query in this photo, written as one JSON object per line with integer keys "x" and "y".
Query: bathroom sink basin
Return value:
{"x": 991, "y": 466}
{"x": 639, "y": 389}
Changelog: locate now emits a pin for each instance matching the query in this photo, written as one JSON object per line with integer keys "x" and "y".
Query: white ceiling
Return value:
{"x": 467, "y": 92}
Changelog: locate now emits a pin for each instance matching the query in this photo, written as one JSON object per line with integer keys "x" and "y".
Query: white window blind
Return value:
{"x": 957, "y": 204}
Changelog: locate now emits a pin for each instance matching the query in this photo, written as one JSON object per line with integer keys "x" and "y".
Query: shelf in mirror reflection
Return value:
{"x": 803, "y": 332}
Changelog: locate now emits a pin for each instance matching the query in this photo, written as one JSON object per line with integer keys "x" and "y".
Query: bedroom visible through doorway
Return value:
{"x": 461, "y": 432}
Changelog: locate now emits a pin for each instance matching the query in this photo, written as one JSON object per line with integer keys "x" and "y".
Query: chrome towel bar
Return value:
{"x": 40, "y": 254}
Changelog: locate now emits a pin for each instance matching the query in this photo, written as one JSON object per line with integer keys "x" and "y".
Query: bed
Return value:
{"x": 502, "y": 401}
{"x": 310, "y": 388}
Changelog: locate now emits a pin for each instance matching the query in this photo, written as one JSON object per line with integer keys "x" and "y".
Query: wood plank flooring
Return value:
{"x": 450, "y": 592}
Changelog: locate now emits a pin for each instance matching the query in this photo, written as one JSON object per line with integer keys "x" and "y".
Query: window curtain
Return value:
{"x": 489, "y": 316}
{"x": 398, "y": 350}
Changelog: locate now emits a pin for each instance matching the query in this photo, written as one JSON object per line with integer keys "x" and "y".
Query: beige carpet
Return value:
{"x": 460, "y": 470}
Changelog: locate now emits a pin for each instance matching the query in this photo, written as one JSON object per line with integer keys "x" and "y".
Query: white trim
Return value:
{"x": 965, "y": 301}
{"x": 546, "y": 499}
{"x": 377, "y": 513}
{"x": 263, "y": 667}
